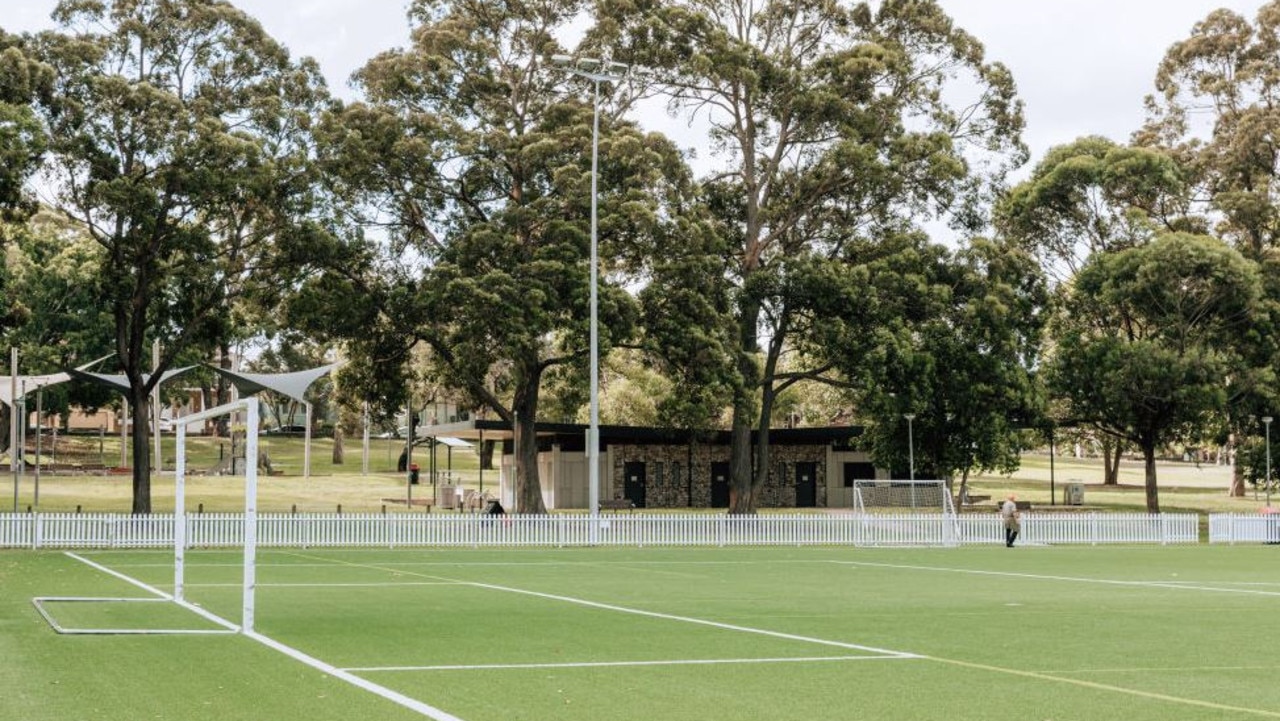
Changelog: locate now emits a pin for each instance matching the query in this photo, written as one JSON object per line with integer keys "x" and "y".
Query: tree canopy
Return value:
{"x": 177, "y": 143}
{"x": 471, "y": 158}
{"x": 1147, "y": 337}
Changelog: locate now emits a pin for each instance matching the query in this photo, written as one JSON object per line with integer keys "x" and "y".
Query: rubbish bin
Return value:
{"x": 447, "y": 496}
{"x": 413, "y": 474}
{"x": 1073, "y": 494}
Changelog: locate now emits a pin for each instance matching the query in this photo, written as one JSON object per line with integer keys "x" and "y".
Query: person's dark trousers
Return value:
{"x": 1009, "y": 536}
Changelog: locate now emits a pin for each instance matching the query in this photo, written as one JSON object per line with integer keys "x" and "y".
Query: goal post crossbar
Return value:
{"x": 250, "y": 407}
{"x": 918, "y": 494}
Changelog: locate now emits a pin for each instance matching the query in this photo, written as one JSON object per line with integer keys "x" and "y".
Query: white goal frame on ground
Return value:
{"x": 908, "y": 490}
{"x": 250, "y": 406}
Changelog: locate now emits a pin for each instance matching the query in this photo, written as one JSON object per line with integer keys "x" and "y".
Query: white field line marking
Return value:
{"x": 639, "y": 612}
{"x": 153, "y": 590}
{"x": 1081, "y": 682}
{"x": 1109, "y": 687}
{"x": 393, "y": 696}
{"x": 1164, "y": 669}
{"x": 697, "y": 621}
{"x": 1181, "y": 586}
{"x": 611, "y": 664}
{"x": 964, "y": 664}
{"x": 127, "y": 579}
{"x": 389, "y": 584}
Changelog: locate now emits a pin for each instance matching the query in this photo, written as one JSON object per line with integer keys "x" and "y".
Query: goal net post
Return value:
{"x": 250, "y": 408}
{"x": 915, "y": 495}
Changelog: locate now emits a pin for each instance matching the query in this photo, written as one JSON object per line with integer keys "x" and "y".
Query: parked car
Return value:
{"x": 286, "y": 431}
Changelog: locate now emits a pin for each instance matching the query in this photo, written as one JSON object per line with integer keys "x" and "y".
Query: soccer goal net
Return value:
{"x": 920, "y": 495}
{"x": 250, "y": 407}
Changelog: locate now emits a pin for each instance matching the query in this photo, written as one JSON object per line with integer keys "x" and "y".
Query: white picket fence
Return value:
{"x": 63, "y": 530}
{"x": 1241, "y": 528}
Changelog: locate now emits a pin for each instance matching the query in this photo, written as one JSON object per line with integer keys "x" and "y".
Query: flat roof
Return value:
{"x": 493, "y": 430}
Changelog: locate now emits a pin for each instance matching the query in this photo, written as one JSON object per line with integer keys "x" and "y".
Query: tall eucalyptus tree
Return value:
{"x": 829, "y": 124}
{"x": 178, "y": 142}
{"x": 470, "y": 160}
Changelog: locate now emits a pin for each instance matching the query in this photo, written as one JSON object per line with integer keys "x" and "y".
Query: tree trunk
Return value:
{"x": 338, "y": 452}
{"x": 741, "y": 477}
{"x": 222, "y": 424}
{"x": 486, "y": 455}
{"x": 1153, "y": 495}
{"x": 1237, "y": 489}
{"x": 139, "y": 407}
{"x": 1112, "y": 449}
{"x": 762, "y": 444}
{"x": 525, "y": 408}
{"x": 963, "y": 495}
{"x": 528, "y": 487}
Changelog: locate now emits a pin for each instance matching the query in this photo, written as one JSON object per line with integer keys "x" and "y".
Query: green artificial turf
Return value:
{"x": 1134, "y": 633}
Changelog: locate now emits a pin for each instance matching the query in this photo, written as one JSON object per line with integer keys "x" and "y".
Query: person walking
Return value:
{"x": 1012, "y": 519}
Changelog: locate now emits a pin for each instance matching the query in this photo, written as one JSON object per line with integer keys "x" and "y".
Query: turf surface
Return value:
{"x": 1132, "y": 633}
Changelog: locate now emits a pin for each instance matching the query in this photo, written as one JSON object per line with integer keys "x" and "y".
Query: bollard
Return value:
{"x": 295, "y": 509}
{"x": 339, "y": 509}
{"x": 77, "y": 509}
{"x": 384, "y": 509}
{"x": 200, "y": 508}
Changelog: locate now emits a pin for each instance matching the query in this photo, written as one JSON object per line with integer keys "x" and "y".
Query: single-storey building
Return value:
{"x": 668, "y": 468}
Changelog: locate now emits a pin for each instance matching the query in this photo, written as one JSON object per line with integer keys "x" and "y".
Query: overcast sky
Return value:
{"x": 1082, "y": 66}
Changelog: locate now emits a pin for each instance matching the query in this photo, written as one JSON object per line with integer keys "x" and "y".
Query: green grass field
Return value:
{"x": 638, "y": 634}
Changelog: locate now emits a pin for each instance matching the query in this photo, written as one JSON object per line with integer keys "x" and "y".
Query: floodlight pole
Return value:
{"x": 157, "y": 463}
{"x": 13, "y": 422}
{"x": 597, "y": 71}
{"x": 1266, "y": 421}
{"x": 911, "y": 444}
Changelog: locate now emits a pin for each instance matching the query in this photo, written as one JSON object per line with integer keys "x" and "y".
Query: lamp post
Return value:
{"x": 911, "y": 445}
{"x": 597, "y": 71}
{"x": 1266, "y": 421}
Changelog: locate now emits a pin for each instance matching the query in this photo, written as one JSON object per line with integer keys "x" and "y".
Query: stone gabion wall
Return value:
{"x": 667, "y": 483}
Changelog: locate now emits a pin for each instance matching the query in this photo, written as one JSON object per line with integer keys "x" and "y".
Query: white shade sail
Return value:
{"x": 29, "y": 384}
{"x": 294, "y": 385}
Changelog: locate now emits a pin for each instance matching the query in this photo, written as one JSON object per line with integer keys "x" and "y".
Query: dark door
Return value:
{"x": 633, "y": 482}
{"x": 719, "y": 485}
{"x": 858, "y": 472}
{"x": 806, "y": 485}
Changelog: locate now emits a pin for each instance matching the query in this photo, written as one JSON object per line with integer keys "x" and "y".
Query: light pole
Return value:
{"x": 911, "y": 445}
{"x": 597, "y": 71}
{"x": 1266, "y": 421}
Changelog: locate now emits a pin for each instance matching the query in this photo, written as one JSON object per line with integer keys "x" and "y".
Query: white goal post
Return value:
{"x": 917, "y": 495}
{"x": 250, "y": 406}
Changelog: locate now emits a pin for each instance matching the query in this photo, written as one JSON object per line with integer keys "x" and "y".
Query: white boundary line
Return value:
{"x": 38, "y": 602}
{"x": 389, "y": 584}
{"x": 382, "y": 691}
{"x": 697, "y": 621}
{"x": 614, "y": 664}
{"x": 1178, "y": 585}
{"x": 625, "y": 609}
